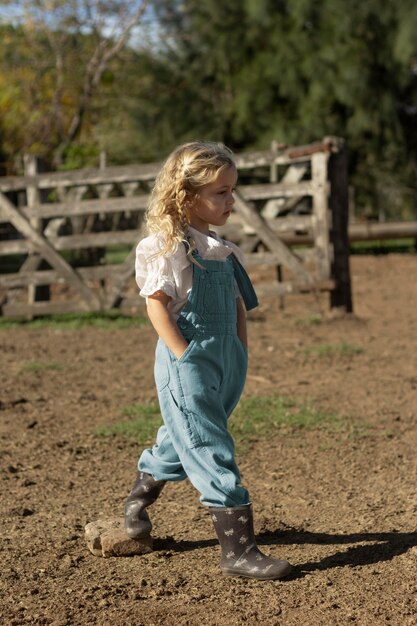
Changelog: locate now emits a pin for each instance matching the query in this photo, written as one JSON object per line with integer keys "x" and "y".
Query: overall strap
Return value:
{"x": 241, "y": 276}
{"x": 245, "y": 285}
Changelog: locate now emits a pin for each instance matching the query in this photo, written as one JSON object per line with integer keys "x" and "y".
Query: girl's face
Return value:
{"x": 215, "y": 201}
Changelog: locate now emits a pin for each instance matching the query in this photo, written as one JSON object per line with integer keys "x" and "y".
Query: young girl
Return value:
{"x": 195, "y": 287}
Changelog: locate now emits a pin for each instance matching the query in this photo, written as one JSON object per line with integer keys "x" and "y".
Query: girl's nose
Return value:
{"x": 231, "y": 199}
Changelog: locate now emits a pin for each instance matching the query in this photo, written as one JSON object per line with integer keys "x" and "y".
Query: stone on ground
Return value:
{"x": 108, "y": 538}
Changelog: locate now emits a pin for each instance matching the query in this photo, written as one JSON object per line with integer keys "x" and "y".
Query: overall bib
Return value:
{"x": 198, "y": 392}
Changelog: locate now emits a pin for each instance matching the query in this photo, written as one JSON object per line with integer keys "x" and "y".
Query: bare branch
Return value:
{"x": 97, "y": 64}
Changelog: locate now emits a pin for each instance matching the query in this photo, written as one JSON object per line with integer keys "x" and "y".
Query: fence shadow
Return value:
{"x": 374, "y": 547}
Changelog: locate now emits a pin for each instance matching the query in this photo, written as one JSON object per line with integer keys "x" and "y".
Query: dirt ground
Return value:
{"x": 341, "y": 506}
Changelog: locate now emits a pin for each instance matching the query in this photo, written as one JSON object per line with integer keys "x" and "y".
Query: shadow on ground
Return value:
{"x": 373, "y": 547}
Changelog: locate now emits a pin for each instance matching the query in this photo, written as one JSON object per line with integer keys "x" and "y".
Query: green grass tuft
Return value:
{"x": 39, "y": 366}
{"x": 262, "y": 416}
{"x": 338, "y": 349}
{"x": 384, "y": 246}
{"x": 146, "y": 418}
{"x": 309, "y": 320}
{"x": 74, "y": 321}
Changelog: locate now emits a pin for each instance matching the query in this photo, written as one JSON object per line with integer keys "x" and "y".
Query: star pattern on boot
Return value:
{"x": 240, "y": 553}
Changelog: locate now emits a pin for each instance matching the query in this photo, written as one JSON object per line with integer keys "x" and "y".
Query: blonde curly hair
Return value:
{"x": 186, "y": 170}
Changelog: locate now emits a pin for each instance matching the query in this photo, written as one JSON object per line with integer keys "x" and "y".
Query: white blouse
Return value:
{"x": 173, "y": 274}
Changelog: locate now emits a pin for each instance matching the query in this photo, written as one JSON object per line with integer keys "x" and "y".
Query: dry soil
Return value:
{"x": 340, "y": 503}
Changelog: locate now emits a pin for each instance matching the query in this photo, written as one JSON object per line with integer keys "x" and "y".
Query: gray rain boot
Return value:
{"x": 240, "y": 554}
{"x": 144, "y": 492}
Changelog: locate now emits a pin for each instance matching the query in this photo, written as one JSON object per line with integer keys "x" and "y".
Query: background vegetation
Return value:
{"x": 134, "y": 79}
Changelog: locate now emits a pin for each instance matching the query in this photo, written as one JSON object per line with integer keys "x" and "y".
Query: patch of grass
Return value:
{"x": 74, "y": 321}
{"x": 39, "y": 366}
{"x": 309, "y": 320}
{"x": 262, "y": 416}
{"x": 116, "y": 254}
{"x": 338, "y": 349}
{"x": 255, "y": 418}
{"x": 389, "y": 434}
{"x": 146, "y": 418}
{"x": 384, "y": 246}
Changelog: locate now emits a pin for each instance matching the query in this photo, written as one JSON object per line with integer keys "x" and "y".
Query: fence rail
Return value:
{"x": 86, "y": 212}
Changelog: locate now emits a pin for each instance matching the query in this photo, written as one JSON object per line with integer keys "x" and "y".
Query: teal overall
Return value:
{"x": 198, "y": 392}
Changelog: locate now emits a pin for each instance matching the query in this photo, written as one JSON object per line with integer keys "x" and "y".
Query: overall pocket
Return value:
{"x": 182, "y": 422}
{"x": 191, "y": 344}
{"x": 191, "y": 435}
{"x": 161, "y": 368}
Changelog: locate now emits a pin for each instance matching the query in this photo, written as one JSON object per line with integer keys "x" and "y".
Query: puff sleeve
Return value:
{"x": 153, "y": 274}
{"x": 159, "y": 273}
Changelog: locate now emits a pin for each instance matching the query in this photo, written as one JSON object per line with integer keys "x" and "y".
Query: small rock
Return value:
{"x": 25, "y": 512}
{"x": 108, "y": 538}
{"x": 19, "y": 401}
{"x": 28, "y": 482}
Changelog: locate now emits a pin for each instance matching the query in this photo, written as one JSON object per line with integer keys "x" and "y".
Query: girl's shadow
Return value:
{"x": 378, "y": 547}
{"x": 374, "y": 548}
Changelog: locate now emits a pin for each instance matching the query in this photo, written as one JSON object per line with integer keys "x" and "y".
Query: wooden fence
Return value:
{"x": 291, "y": 211}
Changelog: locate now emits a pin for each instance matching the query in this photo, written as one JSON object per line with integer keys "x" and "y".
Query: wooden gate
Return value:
{"x": 299, "y": 219}
{"x": 47, "y": 221}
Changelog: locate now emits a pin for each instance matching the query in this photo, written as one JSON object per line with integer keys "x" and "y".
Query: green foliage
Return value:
{"x": 57, "y": 64}
{"x": 80, "y": 155}
{"x": 298, "y": 71}
{"x": 241, "y": 72}
{"x": 34, "y": 120}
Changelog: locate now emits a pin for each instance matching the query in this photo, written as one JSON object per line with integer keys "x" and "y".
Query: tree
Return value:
{"x": 299, "y": 70}
{"x": 54, "y": 64}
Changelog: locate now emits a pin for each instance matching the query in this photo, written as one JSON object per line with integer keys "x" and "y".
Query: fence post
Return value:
{"x": 341, "y": 296}
{"x": 319, "y": 174}
{"x": 36, "y": 293}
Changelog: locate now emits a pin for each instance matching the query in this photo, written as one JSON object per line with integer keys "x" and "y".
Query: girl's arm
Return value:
{"x": 165, "y": 326}
{"x": 241, "y": 322}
